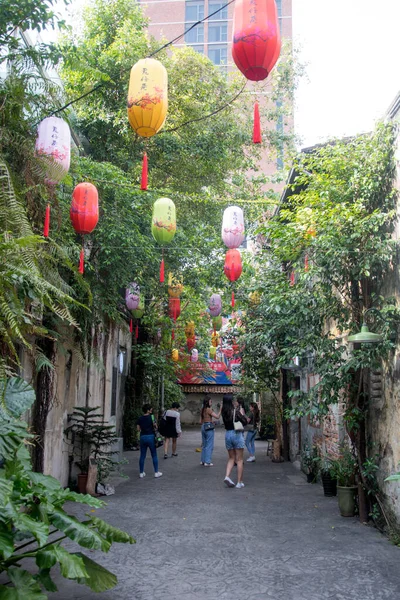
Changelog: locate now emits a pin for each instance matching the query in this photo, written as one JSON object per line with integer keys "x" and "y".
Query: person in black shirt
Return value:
{"x": 145, "y": 425}
{"x": 234, "y": 422}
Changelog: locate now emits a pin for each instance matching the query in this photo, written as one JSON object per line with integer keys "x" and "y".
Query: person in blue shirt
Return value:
{"x": 145, "y": 424}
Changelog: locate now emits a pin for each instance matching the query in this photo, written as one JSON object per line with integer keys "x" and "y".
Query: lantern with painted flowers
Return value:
{"x": 53, "y": 148}
{"x": 217, "y": 323}
{"x": 195, "y": 355}
{"x": 215, "y": 305}
{"x": 232, "y": 231}
{"x": 132, "y": 299}
{"x": 163, "y": 226}
{"x": 215, "y": 339}
{"x": 256, "y": 44}
{"x": 84, "y": 212}
{"x": 233, "y": 268}
{"x": 147, "y": 102}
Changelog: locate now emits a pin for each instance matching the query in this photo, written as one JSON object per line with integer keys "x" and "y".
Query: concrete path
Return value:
{"x": 278, "y": 537}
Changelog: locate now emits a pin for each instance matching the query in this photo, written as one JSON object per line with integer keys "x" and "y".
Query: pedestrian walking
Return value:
{"x": 253, "y": 422}
{"x": 207, "y": 431}
{"x": 145, "y": 425}
{"x": 173, "y": 428}
{"x": 234, "y": 422}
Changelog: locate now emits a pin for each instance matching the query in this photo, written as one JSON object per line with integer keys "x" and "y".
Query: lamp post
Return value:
{"x": 365, "y": 336}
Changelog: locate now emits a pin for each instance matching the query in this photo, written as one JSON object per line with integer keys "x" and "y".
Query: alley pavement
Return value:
{"x": 278, "y": 537}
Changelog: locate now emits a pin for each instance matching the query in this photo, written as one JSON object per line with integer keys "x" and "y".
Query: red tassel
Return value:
{"x": 82, "y": 261}
{"x": 162, "y": 271}
{"x": 130, "y": 326}
{"x": 143, "y": 185}
{"x": 256, "y": 125}
{"x": 233, "y": 299}
{"x": 292, "y": 278}
{"x": 137, "y": 331}
{"x": 173, "y": 335}
{"x": 46, "y": 227}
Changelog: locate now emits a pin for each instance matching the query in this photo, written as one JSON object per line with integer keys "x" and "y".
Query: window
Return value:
{"x": 218, "y": 54}
{"x": 221, "y": 15}
{"x": 194, "y": 11}
{"x": 218, "y": 33}
{"x": 195, "y": 35}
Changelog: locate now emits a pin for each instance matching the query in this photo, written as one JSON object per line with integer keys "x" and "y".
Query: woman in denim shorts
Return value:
{"x": 234, "y": 440}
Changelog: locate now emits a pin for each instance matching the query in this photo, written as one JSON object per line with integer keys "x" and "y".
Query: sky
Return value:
{"x": 352, "y": 51}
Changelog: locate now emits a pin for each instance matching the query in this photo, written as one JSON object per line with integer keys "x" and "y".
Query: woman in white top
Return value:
{"x": 173, "y": 428}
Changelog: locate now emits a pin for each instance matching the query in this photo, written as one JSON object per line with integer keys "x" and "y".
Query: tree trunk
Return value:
{"x": 45, "y": 382}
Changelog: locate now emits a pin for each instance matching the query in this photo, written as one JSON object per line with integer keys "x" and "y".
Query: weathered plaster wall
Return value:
{"x": 384, "y": 409}
{"x": 77, "y": 386}
{"x": 191, "y": 407}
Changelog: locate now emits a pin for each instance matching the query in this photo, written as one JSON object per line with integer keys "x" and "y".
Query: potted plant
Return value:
{"x": 310, "y": 460}
{"x": 329, "y": 482}
{"x": 90, "y": 442}
{"x": 343, "y": 468}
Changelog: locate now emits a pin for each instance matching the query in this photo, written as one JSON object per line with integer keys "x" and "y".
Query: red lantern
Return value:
{"x": 233, "y": 268}
{"x": 256, "y": 43}
{"x": 233, "y": 265}
{"x": 190, "y": 342}
{"x": 174, "y": 308}
{"x": 84, "y": 212}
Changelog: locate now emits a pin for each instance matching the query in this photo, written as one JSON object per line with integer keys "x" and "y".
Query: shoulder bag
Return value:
{"x": 162, "y": 424}
{"x": 237, "y": 425}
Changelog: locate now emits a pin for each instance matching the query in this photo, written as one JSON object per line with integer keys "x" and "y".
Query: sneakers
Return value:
{"x": 158, "y": 474}
{"x": 228, "y": 482}
{"x": 239, "y": 485}
{"x": 174, "y": 454}
{"x": 208, "y": 464}
{"x": 142, "y": 475}
{"x": 251, "y": 459}
{"x": 165, "y": 455}
{"x": 202, "y": 463}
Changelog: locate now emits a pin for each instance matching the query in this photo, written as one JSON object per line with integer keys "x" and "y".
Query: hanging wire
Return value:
{"x": 103, "y": 84}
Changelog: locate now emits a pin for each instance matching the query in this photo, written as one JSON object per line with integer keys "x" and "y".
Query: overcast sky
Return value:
{"x": 352, "y": 48}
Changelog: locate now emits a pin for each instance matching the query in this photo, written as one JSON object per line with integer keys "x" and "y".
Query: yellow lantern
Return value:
{"x": 215, "y": 339}
{"x": 189, "y": 329}
{"x": 255, "y": 298}
{"x": 175, "y": 286}
{"x": 175, "y": 355}
{"x": 147, "y": 102}
{"x": 147, "y": 97}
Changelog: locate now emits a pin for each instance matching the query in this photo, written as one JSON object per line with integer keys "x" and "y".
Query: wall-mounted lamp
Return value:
{"x": 365, "y": 336}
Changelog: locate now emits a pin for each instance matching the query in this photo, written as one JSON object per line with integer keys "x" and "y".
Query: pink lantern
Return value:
{"x": 132, "y": 296}
{"x": 233, "y": 227}
{"x": 53, "y": 147}
{"x": 195, "y": 355}
{"x": 215, "y": 305}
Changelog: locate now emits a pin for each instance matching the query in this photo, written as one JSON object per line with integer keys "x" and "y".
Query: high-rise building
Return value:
{"x": 168, "y": 19}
